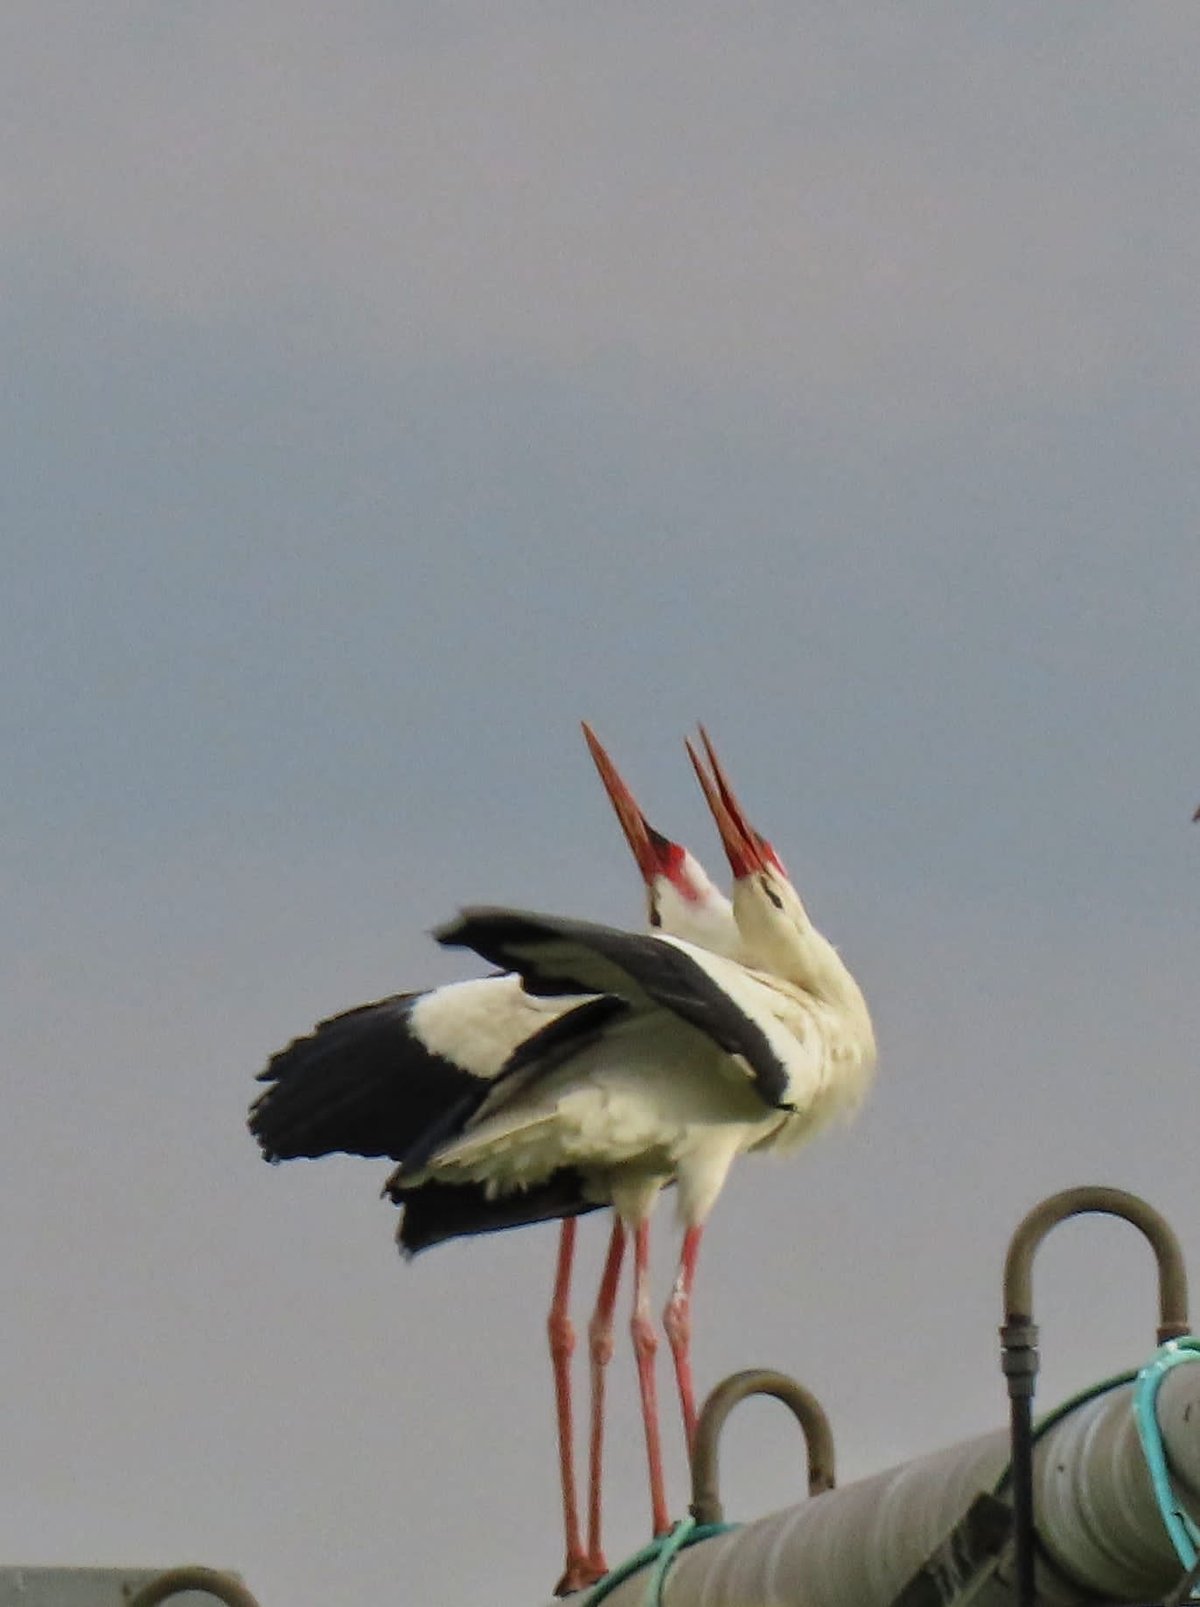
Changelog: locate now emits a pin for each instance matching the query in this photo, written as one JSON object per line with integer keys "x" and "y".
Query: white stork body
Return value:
{"x": 655, "y": 1097}
{"x": 599, "y": 1068}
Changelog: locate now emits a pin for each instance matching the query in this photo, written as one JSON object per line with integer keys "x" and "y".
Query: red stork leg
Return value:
{"x": 600, "y": 1342}
{"x": 645, "y": 1343}
{"x": 677, "y": 1320}
{"x": 562, "y": 1345}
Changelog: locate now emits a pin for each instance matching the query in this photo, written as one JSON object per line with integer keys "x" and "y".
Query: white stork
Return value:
{"x": 365, "y": 1080}
{"x": 603, "y": 1067}
{"x": 683, "y": 903}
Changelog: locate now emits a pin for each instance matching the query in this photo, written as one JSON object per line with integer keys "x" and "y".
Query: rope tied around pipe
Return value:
{"x": 657, "y": 1555}
{"x": 706, "y": 1515}
{"x": 1180, "y": 1526}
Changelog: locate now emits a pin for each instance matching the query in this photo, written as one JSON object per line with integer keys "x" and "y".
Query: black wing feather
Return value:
{"x": 435, "y": 1212}
{"x": 533, "y": 945}
{"x": 362, "y": 1083}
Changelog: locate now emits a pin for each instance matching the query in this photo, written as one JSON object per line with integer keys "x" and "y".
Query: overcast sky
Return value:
{"x": 383, "y": 392}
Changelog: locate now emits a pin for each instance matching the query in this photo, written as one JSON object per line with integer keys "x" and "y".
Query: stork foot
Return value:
{"x": 580, "y": 1573}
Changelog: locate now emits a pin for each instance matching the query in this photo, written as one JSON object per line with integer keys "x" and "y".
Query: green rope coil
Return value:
{"x": 658, "y": 1556}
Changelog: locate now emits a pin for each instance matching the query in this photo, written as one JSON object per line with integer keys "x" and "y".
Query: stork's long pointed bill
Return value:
{"x": 650, "y": 848}
{"x": 739, "y": 841}
{"x": 730, "y": 800}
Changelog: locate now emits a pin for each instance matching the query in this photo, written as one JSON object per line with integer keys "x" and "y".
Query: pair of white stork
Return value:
{"x": 598, "y": 1068}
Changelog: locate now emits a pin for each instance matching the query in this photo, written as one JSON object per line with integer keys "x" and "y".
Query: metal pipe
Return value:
{"x": 1020, "y": 1439}
{"x": 210, "y": 1581}
{"x": 1172, "y": 1274}
{"x": 859, "y": 1545}
{"x": 805, "y": 1408}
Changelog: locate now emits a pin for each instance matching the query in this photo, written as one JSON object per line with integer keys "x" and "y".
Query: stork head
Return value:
{"x": 777, "y": 934}
{"x": 682, "y": 899}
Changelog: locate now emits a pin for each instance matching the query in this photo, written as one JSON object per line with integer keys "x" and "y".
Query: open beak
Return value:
{"x": 650, "y": 848}
{"x": 729, "y": 798}
{"x": 738, "y": 838}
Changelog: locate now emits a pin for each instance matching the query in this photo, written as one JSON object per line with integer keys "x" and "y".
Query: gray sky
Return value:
{"x": 385, "y": 392}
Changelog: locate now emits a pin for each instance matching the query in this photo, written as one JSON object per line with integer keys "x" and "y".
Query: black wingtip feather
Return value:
{"x": 361, "y": 1084}
{"x": 436, "y": 1212}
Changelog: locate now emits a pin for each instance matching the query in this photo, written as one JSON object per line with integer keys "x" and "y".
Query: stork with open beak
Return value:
{"x": 367, "y": 1081}
{"x": 776, "y": 935}
{"x": 765, "y": 928}
{"x": 604, "y": 1066}
{"x": 682, "y": 900}
{"x": 684, "y": 904}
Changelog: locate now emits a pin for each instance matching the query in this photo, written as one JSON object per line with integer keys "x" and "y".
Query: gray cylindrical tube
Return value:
{"x": 858, "y": 1546}
{"x": 1096, "y": 1510}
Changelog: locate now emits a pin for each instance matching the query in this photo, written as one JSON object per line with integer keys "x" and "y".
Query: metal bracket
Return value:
{"x": 211, "y": 1581}
{"x": 805, "y": 1408}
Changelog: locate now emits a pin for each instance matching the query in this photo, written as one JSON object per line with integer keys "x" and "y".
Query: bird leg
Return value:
{"x": 645, "y": 1343}
{"x": 677, "y": 1320}
{"x": 562, "y": 1344}
{"x": 600, "y": 1342}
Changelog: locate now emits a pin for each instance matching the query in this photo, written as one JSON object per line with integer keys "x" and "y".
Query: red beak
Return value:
{"x": 729, "y": 798}
{"x": 739, "y": 840}
{"x": 650, "y": 848}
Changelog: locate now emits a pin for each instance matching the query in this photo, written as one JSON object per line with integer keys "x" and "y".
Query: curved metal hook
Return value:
{"x": 1172, "y": 1275}
{"x": 1019, "y": 1358}
{"x": 805, "y": 1408}
{"x": 210, "y": 1580}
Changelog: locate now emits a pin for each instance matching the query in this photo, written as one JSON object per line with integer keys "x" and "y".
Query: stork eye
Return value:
{"x": 770, "y": 892}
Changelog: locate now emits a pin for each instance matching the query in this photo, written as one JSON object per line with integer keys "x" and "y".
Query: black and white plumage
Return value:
{"x": 607, "y": 1063}
{"x": 601, "y": 1067}
{"x": 399, "y": 1077}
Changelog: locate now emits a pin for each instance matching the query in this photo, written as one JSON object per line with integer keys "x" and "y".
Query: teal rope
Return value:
{"x": 1184, "y": 1533}
{"x": 661, "y": 1553}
